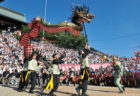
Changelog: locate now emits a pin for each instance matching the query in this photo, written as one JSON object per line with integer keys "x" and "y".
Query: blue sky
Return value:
{"x": 114, "y": 30}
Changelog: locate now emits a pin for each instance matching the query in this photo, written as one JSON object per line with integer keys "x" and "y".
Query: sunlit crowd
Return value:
{"x": 12, "y": 56}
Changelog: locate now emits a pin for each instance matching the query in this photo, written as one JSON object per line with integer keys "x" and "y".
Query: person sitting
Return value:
{"x": 5, "y": 76}
{"x": 13, "y": 76}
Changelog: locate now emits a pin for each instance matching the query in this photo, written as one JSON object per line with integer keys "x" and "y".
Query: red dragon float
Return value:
{"x": 80, "y": 15}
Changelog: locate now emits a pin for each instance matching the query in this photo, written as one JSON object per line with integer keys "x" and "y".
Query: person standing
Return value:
{"x": 54, "y": 79}
{"x": 5, "y": 76}
{"x": 33, "y": 69}
{"x": 84, "y": 71}
{"x": 118, "y": 73}
{"x": 22, "y": 84}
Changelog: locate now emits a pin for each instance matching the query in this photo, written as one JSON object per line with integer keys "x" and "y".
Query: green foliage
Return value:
{"x": 71, "y": 40}
{"x": 24, "y": 28}
{"x": 17, "y": 36}
{"x": 93, "y": 49}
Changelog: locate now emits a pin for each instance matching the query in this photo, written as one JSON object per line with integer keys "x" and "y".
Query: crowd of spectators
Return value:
{"x": 12, "y": 56}
{"x": 105, "y": 77}
{"x": 95, "y": 57}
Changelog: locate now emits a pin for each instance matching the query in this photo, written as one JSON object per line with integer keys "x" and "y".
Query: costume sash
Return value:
{"x": 28, "y": 74}
{"x": 50, "y": 84}
{"x": 82, "y": 77}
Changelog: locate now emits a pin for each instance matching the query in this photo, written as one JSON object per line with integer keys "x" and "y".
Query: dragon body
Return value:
{"x": 80, "y": 15}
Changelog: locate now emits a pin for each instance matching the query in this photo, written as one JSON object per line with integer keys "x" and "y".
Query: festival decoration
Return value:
{"x": 80, "y": 15}
{"x": 28, "y": 50}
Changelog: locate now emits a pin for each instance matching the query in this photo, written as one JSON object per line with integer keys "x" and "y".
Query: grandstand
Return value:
{"x": 11, "y": 18}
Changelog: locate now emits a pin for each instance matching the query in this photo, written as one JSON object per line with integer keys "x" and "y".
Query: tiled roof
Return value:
{"x": 12, "y": 14}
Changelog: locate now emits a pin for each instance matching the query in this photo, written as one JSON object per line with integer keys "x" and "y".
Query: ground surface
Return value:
{"x": 70, "y": 91}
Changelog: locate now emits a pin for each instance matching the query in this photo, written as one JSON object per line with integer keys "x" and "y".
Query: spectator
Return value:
{"x": 5, "y": 77}
{"x": 13, "y": 76}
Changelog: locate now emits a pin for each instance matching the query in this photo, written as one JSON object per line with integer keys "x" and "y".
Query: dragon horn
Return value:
{"x": 76, "y": 4}
{"x": 88, "y": 10}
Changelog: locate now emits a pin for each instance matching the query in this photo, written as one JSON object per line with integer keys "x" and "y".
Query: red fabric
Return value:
{"x": 136, "y": 74}
{"x": 130, "y": 78}
{"x": 122, "y": 78}
{"x": 35, "y": 31}
{"x": 28, "y": 50}
{"x": 52, "y": 29}
{"x": 55, "y": 29}
{"x": 62, "y": 78}
{"x": 24, "y": 40}
{"x": 30, "y": 24}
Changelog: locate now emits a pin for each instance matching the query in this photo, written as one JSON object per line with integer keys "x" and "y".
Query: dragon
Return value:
{"x": 80, "y": 14}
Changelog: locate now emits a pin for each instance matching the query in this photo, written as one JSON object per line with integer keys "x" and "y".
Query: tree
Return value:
{"x": 70, "y": 41}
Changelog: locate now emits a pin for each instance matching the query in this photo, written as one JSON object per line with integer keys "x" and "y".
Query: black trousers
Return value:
{"x": 45, "y": 78}
{"x": 55, "y": 82}
{"x": 83, "y": 82}
{"x": 38, "y": 80}
{"x": 22, "y": 83}
{"x": 138, "y": 83}
{"x": 70, "y": 80}
{"x": 32, "y": 77}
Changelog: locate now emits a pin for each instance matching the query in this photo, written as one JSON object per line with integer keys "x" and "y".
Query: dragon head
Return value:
{"x": 82, "y": 13}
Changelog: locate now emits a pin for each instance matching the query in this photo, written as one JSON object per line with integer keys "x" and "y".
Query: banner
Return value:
{"x": 76, "y": 67}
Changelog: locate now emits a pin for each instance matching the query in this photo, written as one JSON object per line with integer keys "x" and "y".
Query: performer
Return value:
{"x": 48, "y": 72}
{"x": 23, "y": 84}
{"x": 118, "y": 73}
{"x": 55, "y": 73}
{"x": 33, "y": 68}
{"x": 84, "y": 71}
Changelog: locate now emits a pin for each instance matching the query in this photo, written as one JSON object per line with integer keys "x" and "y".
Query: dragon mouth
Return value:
{"x": 91, "y": 16}
{"x": 88, "y": 18}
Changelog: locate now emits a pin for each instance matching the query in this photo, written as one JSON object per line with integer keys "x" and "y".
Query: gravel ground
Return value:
{"x": 70, "y": 91}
